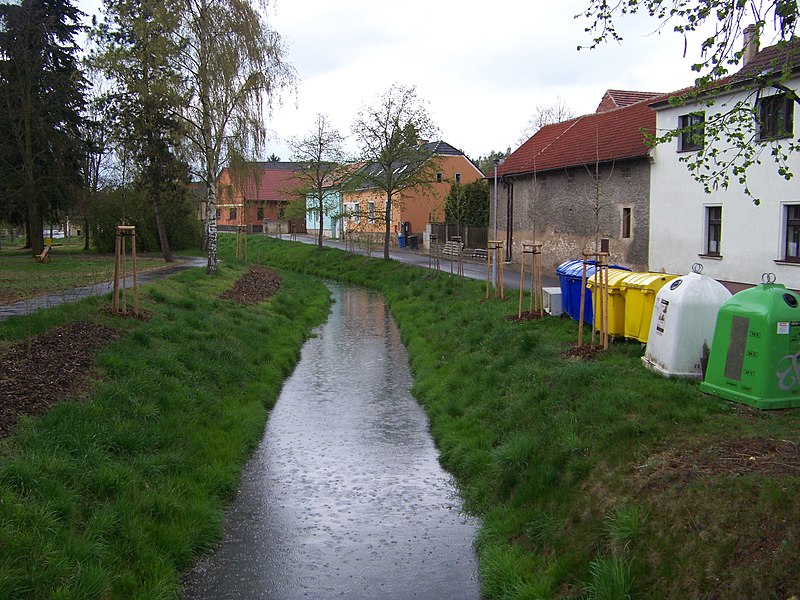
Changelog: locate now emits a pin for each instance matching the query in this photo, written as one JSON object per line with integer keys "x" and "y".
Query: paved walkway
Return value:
{"x": 25, "y": 307}
{"x": 472, "y": 269}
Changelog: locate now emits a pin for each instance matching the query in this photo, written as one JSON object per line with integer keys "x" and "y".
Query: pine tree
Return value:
{"x": 42, "y": 91}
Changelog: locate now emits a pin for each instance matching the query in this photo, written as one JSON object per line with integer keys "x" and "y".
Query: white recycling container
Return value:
{"x": 682, "y": 327}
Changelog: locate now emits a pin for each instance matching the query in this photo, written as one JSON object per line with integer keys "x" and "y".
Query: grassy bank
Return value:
{"x": 115, "y": 493}
{"x": 594, "y": 478}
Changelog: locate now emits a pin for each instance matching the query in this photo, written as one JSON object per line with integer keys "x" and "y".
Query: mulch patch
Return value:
{"x": 585, "y": 352}
{"x": 526, "y": 316}
{"x": 45, "y": 369}
{"x": 735, "y": 457}
{"x": 254, "y": 287}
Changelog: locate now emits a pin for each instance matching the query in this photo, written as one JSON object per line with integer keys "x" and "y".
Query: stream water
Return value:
{"x": 344, "y": 497}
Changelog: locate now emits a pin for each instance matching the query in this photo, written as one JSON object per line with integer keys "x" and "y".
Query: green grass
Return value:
{"x": 559, "y": 456}
{"x": 115, "y": 495}
{"x": 21, "y": 277}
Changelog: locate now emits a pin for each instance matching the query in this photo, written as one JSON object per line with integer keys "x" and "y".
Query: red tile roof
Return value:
{"x": 612, "y": 135}
{"x": 620, "y": 98}
{"x": 272, "y": 181}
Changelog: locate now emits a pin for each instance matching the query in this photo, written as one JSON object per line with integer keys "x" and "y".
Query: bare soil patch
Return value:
{"x": 45, "y": 369}
{"x": 254, "y": 287}
{"x": 526, "y": 316}
{"x": 735, "y": 457}
{"x": 585, "y": 352}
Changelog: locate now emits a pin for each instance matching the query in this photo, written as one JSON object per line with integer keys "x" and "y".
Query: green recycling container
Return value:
{"x": 755, "y": 355}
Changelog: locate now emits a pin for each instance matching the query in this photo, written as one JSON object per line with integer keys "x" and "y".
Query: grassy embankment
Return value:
{"x": 113, "y": 495}
{"x": 21, "y": 277}
{"x": 594, "y": 479}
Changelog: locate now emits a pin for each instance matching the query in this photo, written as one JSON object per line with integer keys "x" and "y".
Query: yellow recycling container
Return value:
{"x": 640, "y": 291}
{"x": 616, "y": 301}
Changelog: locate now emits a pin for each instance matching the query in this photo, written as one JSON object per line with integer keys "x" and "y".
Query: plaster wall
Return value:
{"x": 558, "y": 210}
{"x": 752, "y": 238}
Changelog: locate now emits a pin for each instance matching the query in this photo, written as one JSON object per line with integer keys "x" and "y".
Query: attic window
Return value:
{"x": 439, "y": 177}
{"x": 458, "y": 177}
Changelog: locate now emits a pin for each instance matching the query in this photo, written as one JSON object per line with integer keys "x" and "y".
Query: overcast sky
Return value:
{"x": 482, "y": 67}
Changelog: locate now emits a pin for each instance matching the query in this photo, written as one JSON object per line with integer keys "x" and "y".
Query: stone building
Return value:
{"x": 578, "y": 181}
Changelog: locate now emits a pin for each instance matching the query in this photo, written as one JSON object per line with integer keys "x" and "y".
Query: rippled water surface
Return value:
{"x": 344, "y": 498}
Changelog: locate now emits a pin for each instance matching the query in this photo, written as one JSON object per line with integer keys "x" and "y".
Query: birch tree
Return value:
{"x": 389, "y": 134}
{"x": 321, "y": 154}
{"x": 234, "y": 67}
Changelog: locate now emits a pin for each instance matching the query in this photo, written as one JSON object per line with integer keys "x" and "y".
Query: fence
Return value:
{"x": 472, "y": 237}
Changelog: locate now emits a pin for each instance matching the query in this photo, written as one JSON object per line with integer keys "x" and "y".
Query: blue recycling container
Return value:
{"x": 401, "y": 240}
{"x": 570, "y": 274}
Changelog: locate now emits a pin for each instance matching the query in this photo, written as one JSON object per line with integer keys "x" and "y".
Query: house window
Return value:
{"x": 219, "y": 213}
{"x": 357, "y": 212}
{"x": 792, "y": 233}
{"x": 713, "y": 230}
{"x": 775, "y": 117}
{"x": 232, "y": 214}
{"x": 439, "y": 177}
{"x": 458, "y": 177}
{"x": 371, "y": 211}
{"x": 626, "y": 222}
{"x": 260, "y": 213}
{"x": 691, "y": 132}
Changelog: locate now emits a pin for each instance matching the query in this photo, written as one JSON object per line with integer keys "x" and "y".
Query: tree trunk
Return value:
{"x": 388, "y": 228}
{"x": 35, "y": 224}
{"x": 321, "y": 205}
{"x": 86, "y": 226}
{"x": 162, "y": 230}
{"x": 211, "y": 219}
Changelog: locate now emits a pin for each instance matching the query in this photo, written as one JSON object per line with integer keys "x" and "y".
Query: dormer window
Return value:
{"x": 692, "y": 136}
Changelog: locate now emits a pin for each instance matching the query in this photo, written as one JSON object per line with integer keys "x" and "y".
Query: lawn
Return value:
{"x": 21, "y": 277}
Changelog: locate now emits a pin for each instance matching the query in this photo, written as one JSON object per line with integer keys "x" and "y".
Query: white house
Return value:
{"x": 736, "y": 240}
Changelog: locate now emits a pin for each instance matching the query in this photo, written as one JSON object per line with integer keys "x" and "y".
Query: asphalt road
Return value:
{"x": 472, "y": 269}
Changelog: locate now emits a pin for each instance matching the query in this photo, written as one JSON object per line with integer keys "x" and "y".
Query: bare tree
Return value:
{"x": 321, "y": 155}
{"x": 389, "y": 136}
{"x": 545, "y": 115}
{"x": 234, "y": 65}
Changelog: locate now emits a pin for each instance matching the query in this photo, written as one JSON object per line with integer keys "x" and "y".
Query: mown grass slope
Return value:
{"x": 114, "y": 494}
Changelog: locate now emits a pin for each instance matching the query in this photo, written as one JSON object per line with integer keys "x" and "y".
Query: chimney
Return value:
{"x": 750, "y": 46}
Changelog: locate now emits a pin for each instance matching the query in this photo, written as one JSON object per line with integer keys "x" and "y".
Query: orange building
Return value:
{"x": 257, "y": 198}
{"x": 415, "y": 208}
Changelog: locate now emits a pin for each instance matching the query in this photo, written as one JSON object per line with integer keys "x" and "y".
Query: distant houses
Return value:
{"x": 256, "y": 197}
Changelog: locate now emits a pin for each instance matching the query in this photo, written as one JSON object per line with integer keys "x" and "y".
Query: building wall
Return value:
{"x": 417, "y": 206}
{"x": 752, "y": 238}
{"x": 331, "y": 216}
{"x": 558, "y": 210}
